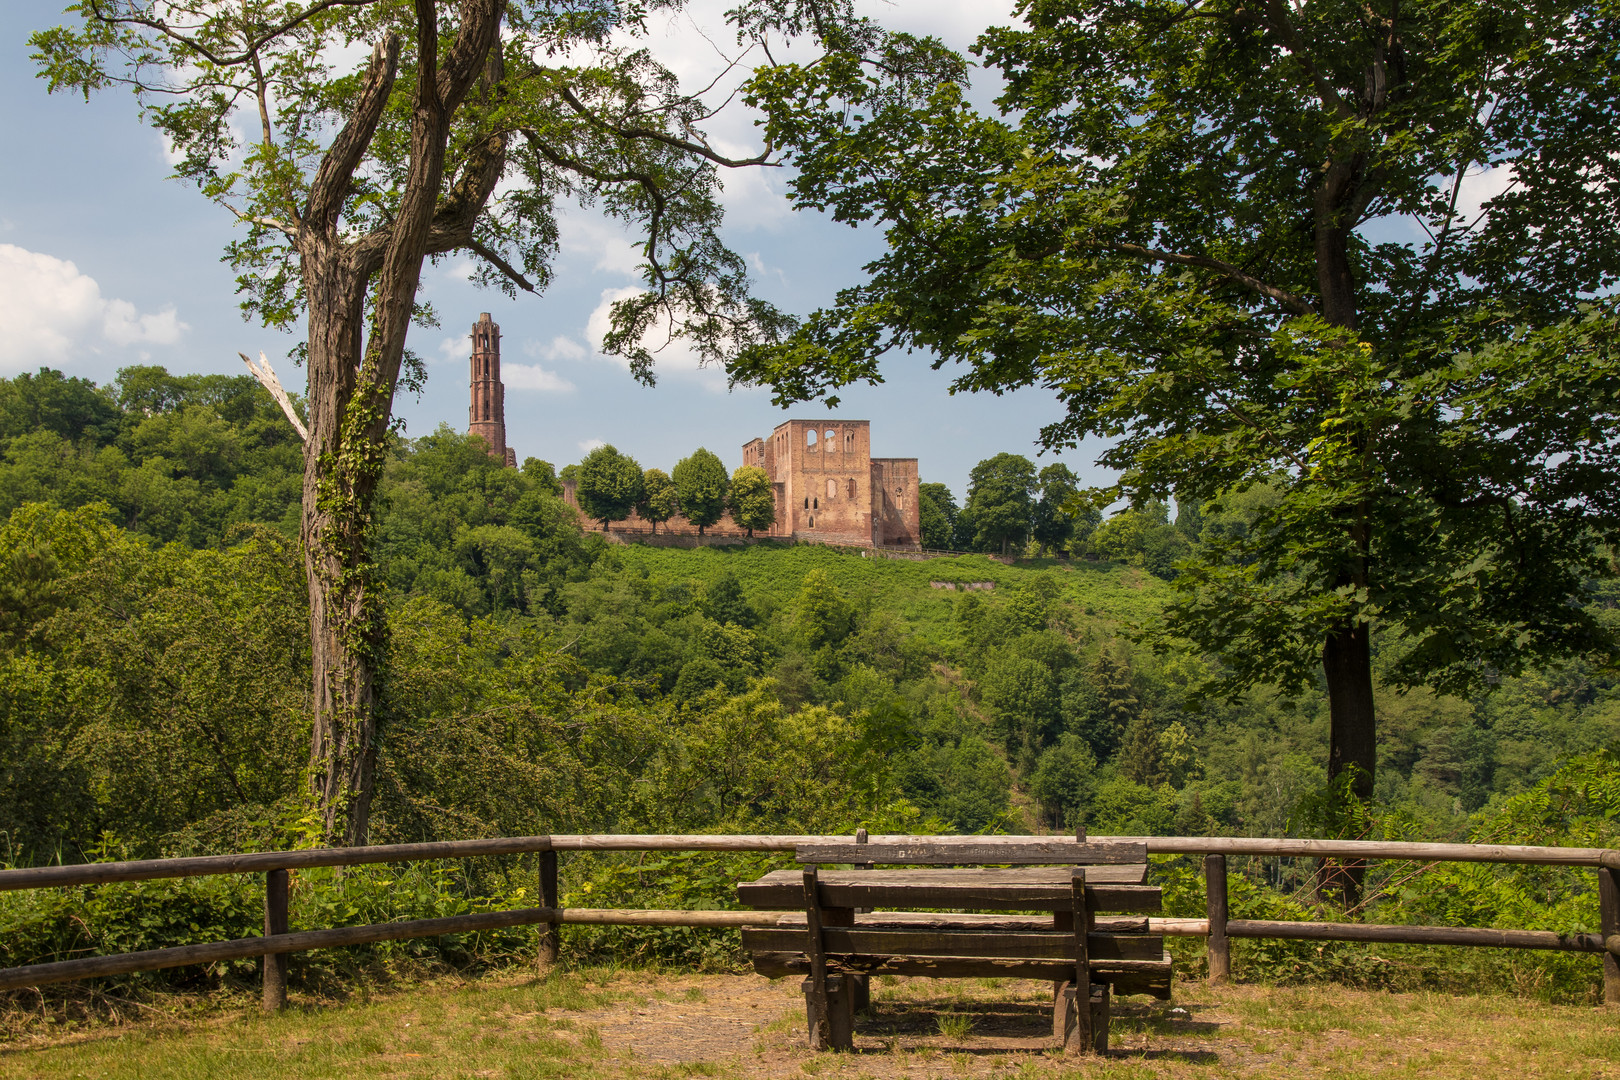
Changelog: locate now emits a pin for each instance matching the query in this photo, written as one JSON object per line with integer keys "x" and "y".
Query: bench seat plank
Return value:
{"x": 1036, "y": 945}
{"x": 993, "y": 853}
{"x": 1044, "y": 889}
{"x": 1127, "y": 976}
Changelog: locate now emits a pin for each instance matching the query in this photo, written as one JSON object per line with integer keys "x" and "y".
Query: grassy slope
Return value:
{"x": 773, "y": 573}
{"x": 631, "y": 1025}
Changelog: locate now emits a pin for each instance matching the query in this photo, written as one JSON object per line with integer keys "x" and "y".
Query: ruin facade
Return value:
{"x": 829, "y": 487}
{"x": 486, "y": 415}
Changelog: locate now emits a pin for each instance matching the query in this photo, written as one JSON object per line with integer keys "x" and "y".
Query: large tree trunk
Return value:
{"x": 351, "y": 389}
{"x": 1353, "y": 730}
{"x": 345, "y": 621}
{"x": 1347, "y": 651}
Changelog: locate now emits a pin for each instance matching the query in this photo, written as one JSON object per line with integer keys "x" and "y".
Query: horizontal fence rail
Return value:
{"x": 1216, "y": 927}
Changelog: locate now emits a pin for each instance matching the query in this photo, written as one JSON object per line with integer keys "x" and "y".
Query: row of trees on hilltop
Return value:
{"x": 1009, "y": 505}
{"x": 609, "y": 485}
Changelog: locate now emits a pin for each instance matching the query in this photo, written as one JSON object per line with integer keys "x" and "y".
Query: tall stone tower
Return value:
{"x": 487, "y": 416}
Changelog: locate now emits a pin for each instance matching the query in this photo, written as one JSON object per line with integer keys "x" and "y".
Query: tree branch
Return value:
{"x": 267, "y": 378}
{"x": 700, "y": 149}
{"x": 510, "y": 272}
{"x": 1298, "y": 304}
{"x": 92, "y": 8}
{"x": 1278, "y": 20}
{"x": 331, "y": 185}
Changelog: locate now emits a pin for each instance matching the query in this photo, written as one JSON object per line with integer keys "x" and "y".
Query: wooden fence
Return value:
{"x": 277, "y": 941}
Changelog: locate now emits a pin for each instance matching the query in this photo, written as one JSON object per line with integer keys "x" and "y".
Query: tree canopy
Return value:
{"x": 1364, "y": 254}
{"x": 609, "y": 485}
{"x": 753, "y": 506}
{"x": 701, "y": 486}
{"x": 659, "y": 499}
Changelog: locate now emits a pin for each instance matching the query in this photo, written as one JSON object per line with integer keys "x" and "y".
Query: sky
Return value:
{"x": 105, "y": 262}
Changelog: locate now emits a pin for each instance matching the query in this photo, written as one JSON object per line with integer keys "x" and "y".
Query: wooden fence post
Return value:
{"x": 860, "y": 988}
{"x": 275, "y": 922}
{"x": 1609, "y": 914}
{"x": 1218, "y": 949}
{"x": 549, "y": 939}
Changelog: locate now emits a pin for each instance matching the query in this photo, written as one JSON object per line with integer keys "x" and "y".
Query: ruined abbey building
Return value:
{"x": 487, "y": 414}
{"x": 828, "y": 489}
{"x": 827, "y": 485}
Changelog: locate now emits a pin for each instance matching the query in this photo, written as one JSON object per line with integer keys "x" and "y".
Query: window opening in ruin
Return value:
{"x": 807, "y": 503}
{"x": 815, "y": 504}
{"x": 810, "y": 440}
{"x": 832, "y": 489}
{"x": 812, "y": 523}
{"x": 832, "y": 437}
{"x": 849, "y": 441}
{"x": 849, "y": 488}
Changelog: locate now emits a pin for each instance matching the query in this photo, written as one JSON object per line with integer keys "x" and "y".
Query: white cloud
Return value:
{"x": 1479, "y": 187}
{"x": 454, "y": 348}
{"x": 671, "y": 356}
{"x": 558, "y": 348}
{"x": 585, "y": 233}
{"x": 50, "y": 312}
{"x": 533, "y": 377}
{"x": 587, "y": 445}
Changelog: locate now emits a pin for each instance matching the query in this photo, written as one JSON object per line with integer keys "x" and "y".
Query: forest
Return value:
{"x": 154, "y": 640}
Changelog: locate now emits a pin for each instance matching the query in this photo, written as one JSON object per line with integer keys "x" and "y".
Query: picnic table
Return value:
{"x": 836, "y": 939}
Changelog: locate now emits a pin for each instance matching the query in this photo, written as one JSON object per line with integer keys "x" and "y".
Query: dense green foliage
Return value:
{"x": 152, "y": 701}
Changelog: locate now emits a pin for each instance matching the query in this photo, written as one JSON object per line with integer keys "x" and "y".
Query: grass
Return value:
{"x": 773, "y": 573}
{"x": 625, "y": 1025}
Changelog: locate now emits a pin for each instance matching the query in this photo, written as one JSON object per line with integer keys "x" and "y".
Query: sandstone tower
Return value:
{"x": 487, "y": 416}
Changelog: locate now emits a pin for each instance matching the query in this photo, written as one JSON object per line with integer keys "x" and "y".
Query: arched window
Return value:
{"x": 849, "y": 487}
{"x": 815, "y": 504}
{"x": 810, "y": 441}
{"x": 849, "y": 441}
{"x": 832, "y": 489}
{"x": 832, "y": 439}
{"x": 812, "y": 523}
{"x": 807, "y": 503}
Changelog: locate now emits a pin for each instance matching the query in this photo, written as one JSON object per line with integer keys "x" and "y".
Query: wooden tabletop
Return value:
{"x": 1046, "y": 888}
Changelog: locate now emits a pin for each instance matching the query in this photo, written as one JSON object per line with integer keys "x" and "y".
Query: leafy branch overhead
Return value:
{"x": 271, "y": 118}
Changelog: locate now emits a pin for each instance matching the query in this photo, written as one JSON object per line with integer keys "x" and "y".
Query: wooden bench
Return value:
{"x": 837, "y": 941}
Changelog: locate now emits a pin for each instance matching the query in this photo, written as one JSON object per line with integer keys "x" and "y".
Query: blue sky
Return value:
{"x": 104, "y": 262}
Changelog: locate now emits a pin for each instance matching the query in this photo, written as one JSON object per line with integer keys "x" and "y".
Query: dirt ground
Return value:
{"x": 744, "y": 1026}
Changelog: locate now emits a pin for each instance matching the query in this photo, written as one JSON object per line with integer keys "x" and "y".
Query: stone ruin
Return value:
{"x": 828, "y": 487}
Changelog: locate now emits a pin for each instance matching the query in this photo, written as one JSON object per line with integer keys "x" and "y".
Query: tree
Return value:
{"x": 349, "y": 177}
{"x": 1057, "y": 508}
{"x": 701, "y": 486}
{"x": 753, "y": 506}
{"x": 609, "y": 485}
{"x": 1001, "y": 501}
{"x": 937, "y": 511}
{"x": 1063, "y": 782}
{"x": 1257, "y": 243}
{"x": 658, "y": 498}
{"x": 822, "y": 616}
